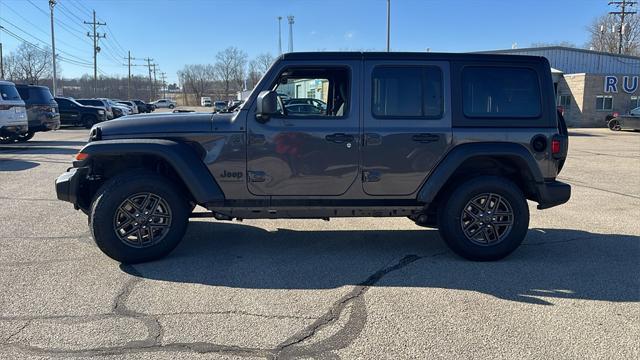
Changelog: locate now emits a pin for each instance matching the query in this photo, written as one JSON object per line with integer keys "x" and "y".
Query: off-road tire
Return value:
{"x": 450, "y": 218}
{"x": 25, "y": 137}
{"x": 109, "y": 199}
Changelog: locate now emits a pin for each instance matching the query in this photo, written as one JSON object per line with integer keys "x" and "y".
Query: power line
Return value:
{"x": 40, "y": 40}
{"x": 623, "y": 6}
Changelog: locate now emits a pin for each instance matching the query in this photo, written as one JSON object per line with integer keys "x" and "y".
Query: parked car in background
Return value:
{"x": 131, "y": 105}
{"x": 303, "y": 109}
{"x": 98, "y": 102}
{"x": 143, "y": 107}
{"x": 631, "y": 121}
{"x": 13, "y": 114}
{"x": 164, "y": 103}
{"x": 205, "y": 101}
{"x": 42, "y": 110}
{"x": 635, "y": 111}
{"x": 220, "y": 105}
{"x": 76, "y": 114}
{"x": 118, "y": 109}
{"x": 310, "y": 101}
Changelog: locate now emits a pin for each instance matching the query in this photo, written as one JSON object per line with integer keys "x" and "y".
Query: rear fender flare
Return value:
{"x": 459, "y": 154}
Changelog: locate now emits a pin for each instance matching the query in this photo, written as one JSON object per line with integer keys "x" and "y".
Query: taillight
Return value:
{"x": 81, "y": 156}
{"x": 555, "y": 146}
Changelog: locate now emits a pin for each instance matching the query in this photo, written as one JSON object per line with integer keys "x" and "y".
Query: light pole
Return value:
{"x": 52, "y": 3}
{"x": 388, "y": 25}
{"x": 291, "y": 22}
{"x": 280, "y": 35}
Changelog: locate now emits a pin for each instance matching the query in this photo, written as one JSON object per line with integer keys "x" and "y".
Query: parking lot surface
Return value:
{"x": 349, "y": 288}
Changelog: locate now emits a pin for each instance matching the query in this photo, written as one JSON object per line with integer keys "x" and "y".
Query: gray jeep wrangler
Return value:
{"x": 454, "y": 141}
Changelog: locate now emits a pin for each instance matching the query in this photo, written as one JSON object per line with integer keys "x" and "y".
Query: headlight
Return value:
{"x": 101, "y": 112}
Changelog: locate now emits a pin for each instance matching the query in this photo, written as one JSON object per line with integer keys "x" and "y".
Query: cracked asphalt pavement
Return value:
{"x": 349, "y": 288}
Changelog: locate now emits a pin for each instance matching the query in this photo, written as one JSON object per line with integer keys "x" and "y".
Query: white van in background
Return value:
{"x": 205, "y": 101}
{"x": 13, "y": 113}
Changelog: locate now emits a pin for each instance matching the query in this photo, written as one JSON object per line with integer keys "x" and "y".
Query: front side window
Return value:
{"x": 604, "y": 103}
{"x": 407, "y": 92}
{"x": 501, "y": 92}
{"x": 317, "y": 92}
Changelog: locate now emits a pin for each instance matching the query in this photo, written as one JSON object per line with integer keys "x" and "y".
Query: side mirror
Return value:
{"x": 267, "y": 106}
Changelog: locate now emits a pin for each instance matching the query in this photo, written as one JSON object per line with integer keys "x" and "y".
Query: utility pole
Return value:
{"x": 52, "y": 3}
{"x": 291, "y": 22}
{"x": 155, "y": 82}
{"x": 388, "y": 25}
{"x": 163, "y": 76}
{"x": 622, "y": 5}
{"x": 149, "y": 60}
{"x": 129, "y": 58}
{"x": 279, "y": 35}
{"x": 96, "y": 49}
{"x": 1, "y": 63}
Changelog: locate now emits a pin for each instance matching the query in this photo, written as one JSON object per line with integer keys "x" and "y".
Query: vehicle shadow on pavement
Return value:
{"x": 28, "y": 150}
{"x": 551, "y": 263}
{"x": 16, "y": 165}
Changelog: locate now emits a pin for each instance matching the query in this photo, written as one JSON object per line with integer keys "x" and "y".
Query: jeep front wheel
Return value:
{"x": 484, "y": 219}
{"x": 138, "y": 217}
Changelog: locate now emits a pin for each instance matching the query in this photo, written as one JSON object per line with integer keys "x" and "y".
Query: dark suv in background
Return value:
{"x": 74, "y": 113}
{"x": 42, "y": 110}
{"x": 143, "y": 107}
{"x": 101, "y": 103}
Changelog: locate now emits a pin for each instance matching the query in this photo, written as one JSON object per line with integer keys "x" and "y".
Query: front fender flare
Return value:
{"x": 184, "y": 160}
{"x": 459, "y": 154}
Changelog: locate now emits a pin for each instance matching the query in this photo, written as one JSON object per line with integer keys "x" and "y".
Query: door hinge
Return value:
{"x": 371, "y": 176}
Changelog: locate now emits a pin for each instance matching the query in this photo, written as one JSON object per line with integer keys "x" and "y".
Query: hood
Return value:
{"x": 163, "y": 123}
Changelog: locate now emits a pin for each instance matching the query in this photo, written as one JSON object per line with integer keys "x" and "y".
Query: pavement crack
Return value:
{"x": 291, "y": 348}
{"x": 15, "y": 333}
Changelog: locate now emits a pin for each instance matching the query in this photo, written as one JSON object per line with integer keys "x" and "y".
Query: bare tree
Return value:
{"x": 197, "y": 78}
{"x": 28, "y": 64}
{"x": 605, "y": 36}
{"x": 253, "y": 75}
{"x": 229, "y": 68}
{"x": 264, "y": 62}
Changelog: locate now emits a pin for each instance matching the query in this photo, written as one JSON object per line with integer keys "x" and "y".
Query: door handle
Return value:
{"x": 425, "y": 138}
{"x": 340, "y": 138}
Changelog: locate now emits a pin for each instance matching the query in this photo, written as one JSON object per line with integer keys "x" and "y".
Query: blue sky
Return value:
{"x": 175, "y": 33}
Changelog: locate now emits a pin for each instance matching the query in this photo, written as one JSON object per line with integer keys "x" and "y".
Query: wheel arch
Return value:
{"x": 512, "y": 161}
{"x": 179, "y": 161}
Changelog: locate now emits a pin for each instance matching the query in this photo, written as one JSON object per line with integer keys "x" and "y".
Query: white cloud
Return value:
{"x": 349, "y": 35}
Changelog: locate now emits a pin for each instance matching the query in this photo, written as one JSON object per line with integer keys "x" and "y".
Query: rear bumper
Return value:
{"x": 11, "y": 130}
{"x": 45, "y": 122}
{"x": 553, "y": 193}
{"x": 69, "y": 184}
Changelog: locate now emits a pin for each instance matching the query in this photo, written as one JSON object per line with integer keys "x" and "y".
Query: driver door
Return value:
{"x": 305, "y": 151}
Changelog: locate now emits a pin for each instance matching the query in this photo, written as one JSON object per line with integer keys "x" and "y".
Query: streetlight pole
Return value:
{"x": 388, "y": 25}
{"x": 52, "y": 3}
{"x": 280, "y": 35}
{"x": 291, "y": 22}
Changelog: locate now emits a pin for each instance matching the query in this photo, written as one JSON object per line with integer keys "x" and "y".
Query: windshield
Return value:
{"x": 9, "y": 92}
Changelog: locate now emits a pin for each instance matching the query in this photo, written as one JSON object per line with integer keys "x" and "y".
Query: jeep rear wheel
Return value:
{"x": 486, "y": 218}
{"x": 138, "y": 217}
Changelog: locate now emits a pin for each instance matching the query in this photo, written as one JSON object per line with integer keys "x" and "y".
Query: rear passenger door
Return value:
{"x": 407, "y": 124}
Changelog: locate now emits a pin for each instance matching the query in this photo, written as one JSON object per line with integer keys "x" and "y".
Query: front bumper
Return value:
{"x": 553, "y": 193}
{"x": 70, "y": 185}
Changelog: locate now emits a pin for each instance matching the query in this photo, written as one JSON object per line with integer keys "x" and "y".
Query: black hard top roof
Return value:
{"x": 356, "y": 55}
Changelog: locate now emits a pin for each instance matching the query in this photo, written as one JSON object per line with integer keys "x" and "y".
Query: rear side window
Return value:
{"x": 501, "y": 92}
{"x": 35, "y": 95}
{"x": 407, "y": 92}
{"x": 9, "y": 92}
